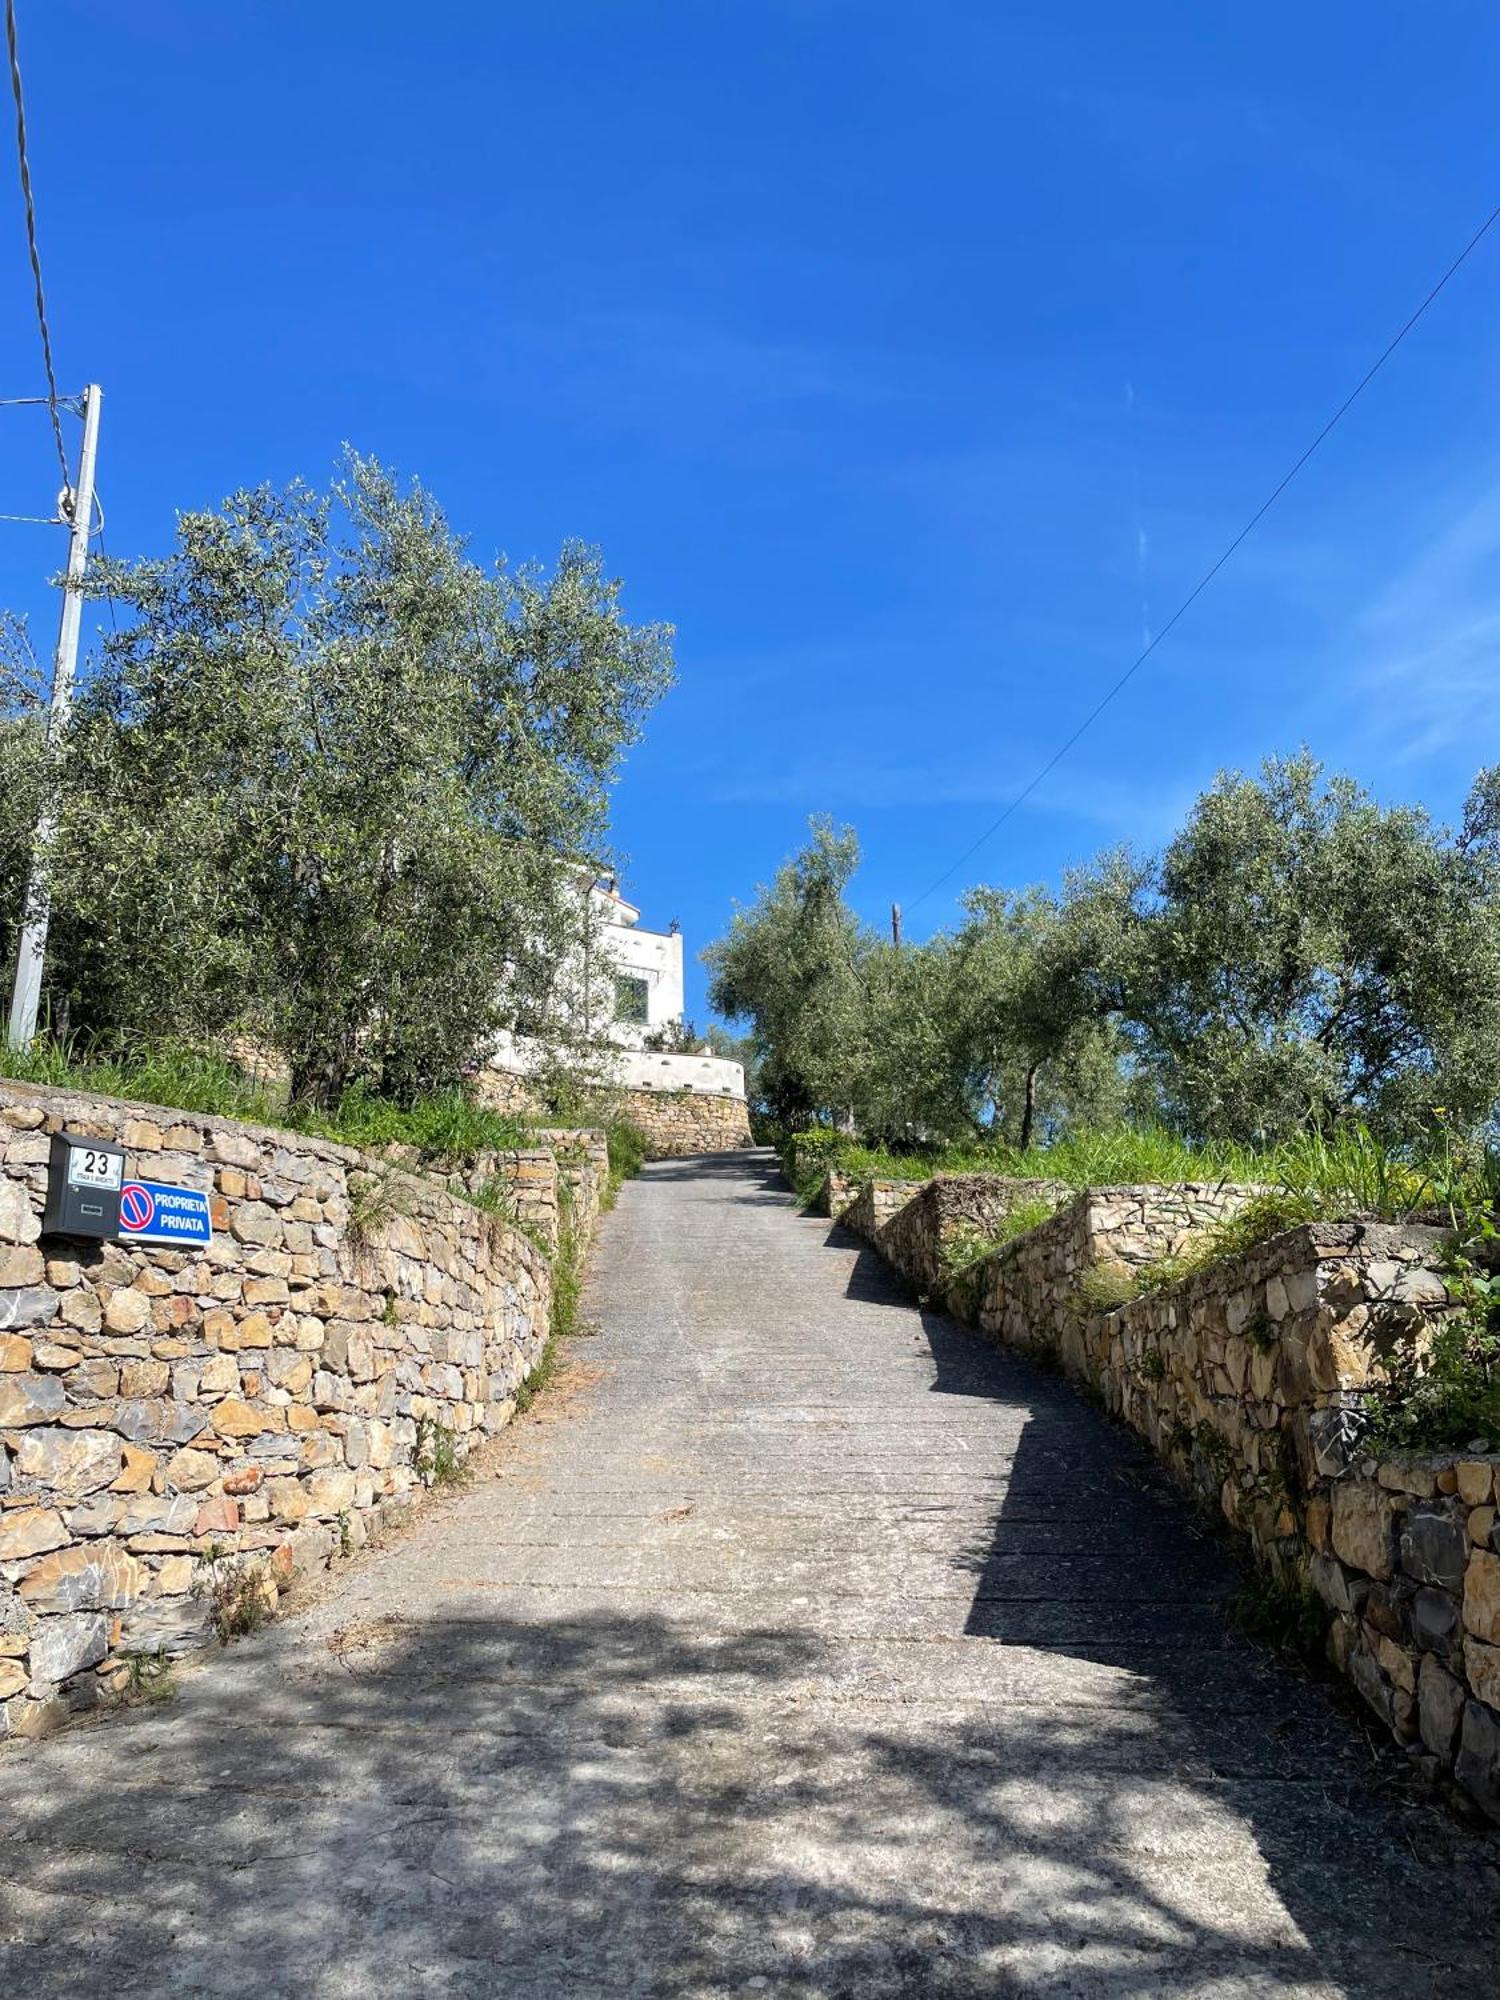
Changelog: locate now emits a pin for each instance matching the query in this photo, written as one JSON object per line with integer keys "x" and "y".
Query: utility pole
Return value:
{"x": 77, "y": 509}
{"x": 896, "y": 925}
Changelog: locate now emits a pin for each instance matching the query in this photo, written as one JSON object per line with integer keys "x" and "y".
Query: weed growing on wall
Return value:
{"x": 148, "y": 1679}
{"x": 377, "y": 1197}
{"x": 567, "y": 1290}
{"x": 627, "y": 1155}
{"x": 235, "y": 1591}
{"x": 435, "y": 1455}
{"x": 1104, "y": 1286}
{"x": 968, "y": 1246}
{"x": 1442, "y": 1382}
{"x": 1278, "y": 1609}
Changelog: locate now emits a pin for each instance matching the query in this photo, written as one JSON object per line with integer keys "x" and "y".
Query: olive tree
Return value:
{"x": 1035, "y": 1027}
{"x": 24, "y": 764}
{"x": 1310, "y": 955}
{"x": 791, "y": 967}
{"x": 913, "y": 1083}
{"x": 334, "y": 783}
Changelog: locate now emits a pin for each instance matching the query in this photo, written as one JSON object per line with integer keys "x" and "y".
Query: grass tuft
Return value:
{"x": 627, "y": 1155}
{"x": 1278, "y": 1609}
{"x": 376, "y": 1198}
{"x": 148, "y": 1678}
{"x": 436, "y": 1459}
{"x": 1103, "y": 1287}
{"x": 1346, "y": 1172}
{"x": 448, "y": 1125}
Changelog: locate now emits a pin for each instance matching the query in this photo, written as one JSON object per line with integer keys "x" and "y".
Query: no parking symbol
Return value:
{"x": 153, "y": 1213}
{"x": 137, "y": 1208}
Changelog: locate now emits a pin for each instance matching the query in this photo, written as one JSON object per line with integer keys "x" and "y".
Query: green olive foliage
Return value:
{"x": 23, "y": 780}
{"x": 331, "y": 783}
{"x": 1304, "y": 955}
{"x": 1299, "y": 957}
{"x": 790, "y": 966}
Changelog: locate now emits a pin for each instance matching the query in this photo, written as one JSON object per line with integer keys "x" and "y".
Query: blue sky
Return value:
{"x": 913, "y": 361}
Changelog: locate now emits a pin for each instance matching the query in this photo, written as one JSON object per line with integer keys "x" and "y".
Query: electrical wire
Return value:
{"x": 1209, "y": 574}
{"x": 52, "y": 398}
{"x": 109, "y": 596}
{"x": 72, "y": 404}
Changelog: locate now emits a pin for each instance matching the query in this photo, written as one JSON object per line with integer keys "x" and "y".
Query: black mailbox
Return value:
{"x": 84, "y": 1177}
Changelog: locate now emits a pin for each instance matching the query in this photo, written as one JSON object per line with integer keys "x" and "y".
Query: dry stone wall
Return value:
{"x": 677, "y": 1124}
{"x": 259, "y": 1403}
{"x": 950, "y": 1218}
{"x": 1246, "y": 1377}
{"x": 836, "y": 1193}
{"x": 550, "y": 1188}
{"x": 1028, "y": 1293}
{"x": 876, "y": 1203}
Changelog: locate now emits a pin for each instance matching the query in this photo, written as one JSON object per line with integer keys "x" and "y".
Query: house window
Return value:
{"x": 632, "y": 1001}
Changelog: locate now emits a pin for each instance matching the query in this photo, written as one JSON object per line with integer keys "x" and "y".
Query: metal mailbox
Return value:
{"x": 84, "y": 1178}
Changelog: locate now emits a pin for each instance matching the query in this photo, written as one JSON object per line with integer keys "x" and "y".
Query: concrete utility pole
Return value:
{"x": 896, "y": 925}
{"x": 77, "y": 508}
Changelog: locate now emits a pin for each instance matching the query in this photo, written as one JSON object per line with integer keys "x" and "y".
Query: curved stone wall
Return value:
{"x": 1246, "y": 1378}
{"x": 162, "y": 1412}
{"x": 680, "y": 1123}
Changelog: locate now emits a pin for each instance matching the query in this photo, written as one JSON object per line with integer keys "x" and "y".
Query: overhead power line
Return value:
{"x": 52, "y": 398}
{"x": 1209, "y": 574}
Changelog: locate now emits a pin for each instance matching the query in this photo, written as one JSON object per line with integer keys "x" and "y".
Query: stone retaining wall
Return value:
{"x": 551, "y": 1187}
{"x": 260, "y": 1403}
{"x": 949, "y": 1219}
{"x": 1028, "y": 1293}
{"x": 1246, "y": 1378}
{"x": 677, "y": 1124}
{"x": 875, "y": 1204}
{"x": 836, "y": 1193}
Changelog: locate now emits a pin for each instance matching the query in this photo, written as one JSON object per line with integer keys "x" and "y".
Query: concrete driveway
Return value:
{"x": 804, "y": 1646}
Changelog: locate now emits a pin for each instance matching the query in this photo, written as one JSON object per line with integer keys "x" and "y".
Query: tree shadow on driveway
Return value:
{"x": 607, "y": 1805}
{"x": 1094, "y": 1557}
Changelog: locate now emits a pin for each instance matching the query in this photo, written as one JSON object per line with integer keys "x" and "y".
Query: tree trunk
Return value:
{"x": 1028, "y": 1108}
{"x": 318, "y": 1082}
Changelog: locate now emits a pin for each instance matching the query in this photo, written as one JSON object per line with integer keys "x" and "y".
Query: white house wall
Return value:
{"x": 656, "y": 957}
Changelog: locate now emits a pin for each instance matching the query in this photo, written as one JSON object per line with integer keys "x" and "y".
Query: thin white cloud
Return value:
{"x": 1430, "y": 641}
{"x": 1125, "y": 809}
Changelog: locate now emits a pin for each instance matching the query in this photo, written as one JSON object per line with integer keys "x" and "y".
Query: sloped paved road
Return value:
{"x": 811, "y": 1649}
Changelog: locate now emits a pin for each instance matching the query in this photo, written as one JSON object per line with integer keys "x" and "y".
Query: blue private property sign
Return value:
{"x": 153, "y": 1213}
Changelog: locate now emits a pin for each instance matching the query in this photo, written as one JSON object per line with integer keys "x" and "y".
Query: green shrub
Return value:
{"x": 627, "y": 1154}
{"x": 1443, "y": 1392}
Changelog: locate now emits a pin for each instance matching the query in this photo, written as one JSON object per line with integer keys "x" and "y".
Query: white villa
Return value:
{"x": 633, "y": 999}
